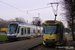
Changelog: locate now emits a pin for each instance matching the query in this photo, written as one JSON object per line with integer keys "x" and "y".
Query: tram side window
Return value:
{"x": 38, "y": 31}
{"x": 62, "y": 27}
{"x": 58, "y": 29}
{"x": 25, "y": 30}
{"x": 18, "y": 29}
{"x": 21, "y": 31}
{"x": 34, "y": 31}
{"x": 43, "y": 30}
{"x": 28, "y": 30}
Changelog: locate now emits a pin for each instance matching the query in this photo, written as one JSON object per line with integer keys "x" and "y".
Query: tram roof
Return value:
{"x": 51, "y": 21}
{"x": 22, "y": 23}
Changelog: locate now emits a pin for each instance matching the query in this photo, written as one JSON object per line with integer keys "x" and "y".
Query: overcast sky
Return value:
{"x": 10, "y": 9}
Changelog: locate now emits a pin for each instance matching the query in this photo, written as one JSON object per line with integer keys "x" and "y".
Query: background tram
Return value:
{"x": 20, "y": 30}
{"x": 53, "y": 33}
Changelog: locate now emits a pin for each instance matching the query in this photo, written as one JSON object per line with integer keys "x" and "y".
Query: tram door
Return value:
{"x": 22, "y": 30}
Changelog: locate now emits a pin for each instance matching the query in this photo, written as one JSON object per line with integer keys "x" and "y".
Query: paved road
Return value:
{"x": 41, "y": 47}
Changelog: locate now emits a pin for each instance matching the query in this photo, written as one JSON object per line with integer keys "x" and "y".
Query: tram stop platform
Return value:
{"x": 20, "y": 45}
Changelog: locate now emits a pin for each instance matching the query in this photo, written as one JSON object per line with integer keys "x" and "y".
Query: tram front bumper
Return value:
{"x": 49, "y": 42}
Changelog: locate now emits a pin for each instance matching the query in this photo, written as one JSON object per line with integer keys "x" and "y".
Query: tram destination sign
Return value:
{"x": 50, "y": 22}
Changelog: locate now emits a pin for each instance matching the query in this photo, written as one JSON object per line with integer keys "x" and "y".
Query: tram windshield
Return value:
{"x": 50, "y": 29}
{"x": 12, "y": 28}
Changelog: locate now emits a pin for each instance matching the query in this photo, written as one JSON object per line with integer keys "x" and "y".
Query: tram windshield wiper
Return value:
{"x": 52, "y": 31}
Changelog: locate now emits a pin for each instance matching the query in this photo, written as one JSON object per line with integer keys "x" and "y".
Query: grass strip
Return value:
{"x": 3, "y": 37}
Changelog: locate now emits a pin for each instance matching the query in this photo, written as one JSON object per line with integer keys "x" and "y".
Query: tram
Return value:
{"x": 53, "y": 33}
{"x": 20, "y": 30}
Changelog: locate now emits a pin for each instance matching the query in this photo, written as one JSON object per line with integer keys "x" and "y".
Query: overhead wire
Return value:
{"x": 22, "y": 10}
{"x": 38, "y": 8}
{"x": 14, "y": 7}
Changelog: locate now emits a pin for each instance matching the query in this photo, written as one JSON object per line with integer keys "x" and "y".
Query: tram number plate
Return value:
{"x": 49, "y": 39}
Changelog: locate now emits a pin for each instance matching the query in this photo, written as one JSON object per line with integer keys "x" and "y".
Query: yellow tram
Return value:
{"x": 53, "y": 33}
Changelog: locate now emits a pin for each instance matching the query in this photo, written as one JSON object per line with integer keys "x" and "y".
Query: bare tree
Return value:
{"x": 70, "y": 8}
{"x": 5, "y": 23}
{"x": 20, "y": 19}
{"x": 67, "y": 6}
{"x": 36, "y": 21}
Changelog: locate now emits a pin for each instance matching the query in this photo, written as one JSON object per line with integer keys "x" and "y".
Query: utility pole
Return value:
{"x": 55, "y": 11}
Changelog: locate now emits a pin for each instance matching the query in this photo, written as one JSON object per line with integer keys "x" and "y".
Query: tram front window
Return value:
{"x": 50, "y": 29}
{"x": 12, "y": 29}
